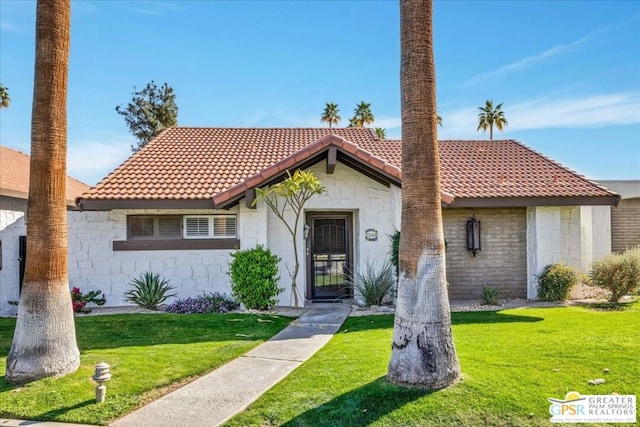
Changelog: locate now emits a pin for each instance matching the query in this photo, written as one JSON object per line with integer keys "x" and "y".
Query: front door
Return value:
{"x": 329, "y": 253}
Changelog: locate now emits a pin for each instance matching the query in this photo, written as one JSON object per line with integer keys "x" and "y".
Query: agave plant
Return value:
{"x": 149, "y": 291}
{"x": 372, "y": 286}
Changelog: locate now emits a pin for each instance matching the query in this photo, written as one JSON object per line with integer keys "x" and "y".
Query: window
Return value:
{"x": 146, "y": 227}
{"x": 209, "y": 226}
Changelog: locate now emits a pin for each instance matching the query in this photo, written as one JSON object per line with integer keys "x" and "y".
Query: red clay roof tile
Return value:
{"x": 220, "y": 163}
{"x": 14, "y": 177}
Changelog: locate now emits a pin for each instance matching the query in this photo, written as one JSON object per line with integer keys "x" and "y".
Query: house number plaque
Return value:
{"x": 371, "y": 235}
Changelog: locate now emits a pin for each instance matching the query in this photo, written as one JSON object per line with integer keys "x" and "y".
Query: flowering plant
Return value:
{"x": 80, "y": 300}
{"x": 205, "y": 303}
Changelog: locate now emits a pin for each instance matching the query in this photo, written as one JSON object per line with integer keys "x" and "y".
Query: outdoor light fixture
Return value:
{"x": 101, "y": 376}
{"x": 473, "y": 235}
{"x": 305, "y": 233}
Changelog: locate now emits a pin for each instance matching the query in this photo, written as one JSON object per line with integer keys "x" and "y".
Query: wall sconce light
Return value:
{"x": 473, "y": 235}
{"x": 305, "y": 232}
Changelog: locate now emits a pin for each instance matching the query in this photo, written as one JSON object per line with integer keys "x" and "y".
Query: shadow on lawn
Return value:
{"x": 126, "y": 330}
{"x": 364, "y": 323}
{"x": 359, "y": 407}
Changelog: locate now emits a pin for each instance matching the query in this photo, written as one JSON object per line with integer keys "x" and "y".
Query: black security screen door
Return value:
{"x": 329, "y": 255}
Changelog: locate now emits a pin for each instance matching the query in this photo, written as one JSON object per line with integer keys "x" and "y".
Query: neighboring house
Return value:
{"x": 625, "y": 218}
{"x": 14, "y": 192}
{"x": 184, "y": 202}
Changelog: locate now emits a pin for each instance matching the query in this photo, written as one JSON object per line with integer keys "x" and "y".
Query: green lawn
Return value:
{"x": 512, "y": 361}
{"x": 148, "y": 353}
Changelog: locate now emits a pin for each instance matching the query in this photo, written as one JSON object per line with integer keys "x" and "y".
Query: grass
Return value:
{"x": 149, "y": 356}
{"x": 512, "y": 361}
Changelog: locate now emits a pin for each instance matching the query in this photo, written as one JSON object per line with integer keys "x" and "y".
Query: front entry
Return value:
{"x": 329, "y": 254}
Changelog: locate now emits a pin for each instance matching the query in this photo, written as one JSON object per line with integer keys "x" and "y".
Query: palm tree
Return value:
{"x": 439, "y": 120}
{"x": 382, "y": 133}
{"x": 330, "y": 114}
{"x": 4, "y": 96}
{"x": 489, "y": 116}
{"x": 423, "y": 353}
{"x": 362, "y": 115}
{"x": 44, "y": 343}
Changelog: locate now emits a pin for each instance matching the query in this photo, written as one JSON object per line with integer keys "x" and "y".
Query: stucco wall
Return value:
{"x": 502, "y": 262}
{"x": 12, "y": 226}
{"x": 94, "y": 265}
{"x": 574, "y": 235}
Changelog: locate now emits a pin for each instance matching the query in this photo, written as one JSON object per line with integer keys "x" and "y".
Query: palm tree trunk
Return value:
{"x": 44, "y": 343}
{"x": 491, "y": 132}
{"x": 423, "y": 353}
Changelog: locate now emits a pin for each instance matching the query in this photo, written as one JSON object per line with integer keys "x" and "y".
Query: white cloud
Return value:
{"x": 387, "y": 122}
{"x": 90, "y": 161}
{"x": 550, "y": 112}
{"x": 5, "y": 26}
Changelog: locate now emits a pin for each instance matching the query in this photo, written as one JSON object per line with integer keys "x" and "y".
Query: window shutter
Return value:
{"x": 141, "y": 227}
{"x": 197, "y": 226}
{"x": 170, "y": 227}
{"x": 224, "y": 226}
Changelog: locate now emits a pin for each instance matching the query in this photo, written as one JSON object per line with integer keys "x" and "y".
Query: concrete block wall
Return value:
{"x": 94, "y": 265}
{"x": 374, "y": 206}
{"x": 12, "y": 226}
{"x": 502, "y": 262}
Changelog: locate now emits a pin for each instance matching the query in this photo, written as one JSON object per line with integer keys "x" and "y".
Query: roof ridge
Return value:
{"x": 15, "y": 150}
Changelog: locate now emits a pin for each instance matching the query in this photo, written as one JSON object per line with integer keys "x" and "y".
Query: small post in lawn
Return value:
{"x": 102, "y": 375}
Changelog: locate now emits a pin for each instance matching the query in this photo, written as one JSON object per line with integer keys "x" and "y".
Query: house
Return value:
{"x": 14, "y": 192}
{"x": 184, "y": 202}
{"x": 625, "y": 218}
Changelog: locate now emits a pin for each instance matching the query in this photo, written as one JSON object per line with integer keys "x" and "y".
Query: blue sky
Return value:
{"x": 568, "y": 72}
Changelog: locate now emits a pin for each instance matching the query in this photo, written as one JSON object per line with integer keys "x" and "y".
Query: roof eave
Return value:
{"x": 497, "y": 202}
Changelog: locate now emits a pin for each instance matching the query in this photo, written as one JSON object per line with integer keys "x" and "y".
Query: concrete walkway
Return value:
{"x": 214, "y": 398}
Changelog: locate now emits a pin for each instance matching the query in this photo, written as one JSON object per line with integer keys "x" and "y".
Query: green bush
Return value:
{"x": 149, "y": 291}
{"x": 490, "y": 296}
{"x": 254, "y": 277}
{"x": 556, "y": 281}
{"x": 395, "y": 251}
{"x": 371, "y": 286}
{"x": 618, "y": 273}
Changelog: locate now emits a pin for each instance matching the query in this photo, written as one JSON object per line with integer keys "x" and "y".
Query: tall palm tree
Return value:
{"x": 4, "y": 96}
{"x": 362, "y": 115}
{"x": 381, "y": 133}
{"x": 490, "y": 116}
{"x": 423, "y": 353}
{"x": 44, "y": 343}
{"x": 330, "y": 114}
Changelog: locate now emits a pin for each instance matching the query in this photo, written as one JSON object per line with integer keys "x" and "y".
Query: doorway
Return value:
{"x": 329, "y": 254}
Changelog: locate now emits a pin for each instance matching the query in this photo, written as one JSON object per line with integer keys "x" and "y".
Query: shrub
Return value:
{"x": 205, "y": 303}
{"x": 618, "y": 273}
{"x": 556, "y": 281}
{"x": 80, "y": 300}
{"x": 395, "y": 251}
{"x": 254, "y": 277}
{"x": 371, "y": 286}
{"x": 490, "y": 296}
{"x": 149, "y": 291}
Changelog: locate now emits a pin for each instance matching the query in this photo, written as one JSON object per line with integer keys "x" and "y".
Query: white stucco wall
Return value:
{"x": 93, "y": 264}
{"x": 373, "y": 205}
{"x": 574, "y": 235}
{"x": 12, "y": 226}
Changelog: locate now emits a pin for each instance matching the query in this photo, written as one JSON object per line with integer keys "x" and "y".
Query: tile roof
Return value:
{"x": 185, "y": 163}
{"x": 14, "y": 177}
